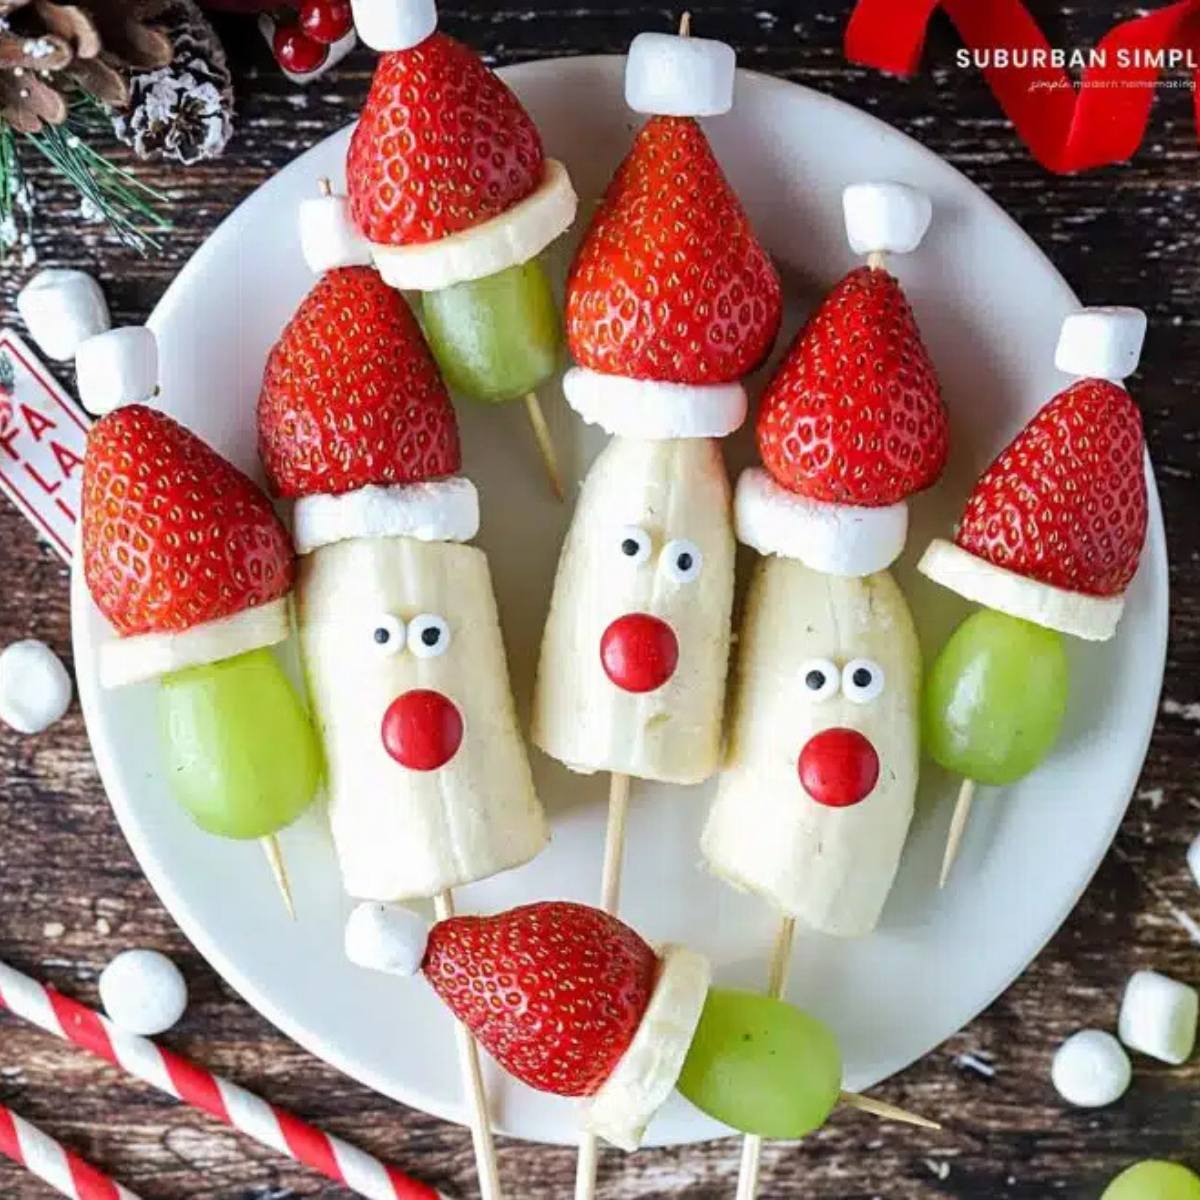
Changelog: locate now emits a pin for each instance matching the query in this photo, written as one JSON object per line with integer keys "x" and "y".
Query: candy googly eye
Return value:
{"x": 387, "y": 635}
{"x": 821, "y": 678}
{"x": 428, "y": 635}
{"x": 682, "y": 560}
{"x": 862, "y": 680}
{"x": 633, "y": 545}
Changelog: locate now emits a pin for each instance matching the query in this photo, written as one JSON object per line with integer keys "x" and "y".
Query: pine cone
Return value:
{"x": 47, "y": 49}
{"x": 183, "y": 111}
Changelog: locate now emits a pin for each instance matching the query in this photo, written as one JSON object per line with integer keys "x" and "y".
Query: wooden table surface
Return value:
{"x": 71, "y": 894}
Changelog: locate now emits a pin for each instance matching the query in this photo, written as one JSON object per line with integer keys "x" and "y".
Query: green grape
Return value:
{"x": 1154, "y": 1180}
{"x": 762, "y": 1066}
{"x": 240, "y": 753}
{"x": 995, "y": 697}
{"x": 495, "y": 338}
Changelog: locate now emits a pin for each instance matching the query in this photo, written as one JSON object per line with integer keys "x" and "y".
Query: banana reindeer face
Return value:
{"x": 428, "y": 778}
{"x": 814, "y": 805}
{"x": 634, "y": 654}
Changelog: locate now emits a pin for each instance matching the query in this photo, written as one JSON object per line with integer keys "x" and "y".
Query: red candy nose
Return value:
{"x": 639, "y": 652}
{"x": 838, "y": 767}
{"x": 422, "y": 730}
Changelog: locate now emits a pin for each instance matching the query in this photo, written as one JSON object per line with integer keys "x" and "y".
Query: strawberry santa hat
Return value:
{"x": 182, "y": 553}
{"x": 446, "y": 174}
{"x": 1054, "y": 529}
{"x": 355, "y": 423}
{"x": 853, "y": 421}
{"x": 565, "y": 997}
{"x": 671, "y": 299}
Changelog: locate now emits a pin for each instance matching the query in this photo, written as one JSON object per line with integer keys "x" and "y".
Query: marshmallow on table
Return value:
{"x": 1158, "y": 1017}
{"x": 1091, "y": 1069}
{"x": 328, "y": 236}
{"x": 884, "y": 216}
{"x": 143, "y": 992}
{"x": 115, "y": 368}
{"x": 1101, "y": 343}
{"x": 671, "y": 75}
{"x": 62, "y": 309}
{"x": 386, "y": 937}
{"x": 394, "y": 24}
{"x": 35, "y": 689}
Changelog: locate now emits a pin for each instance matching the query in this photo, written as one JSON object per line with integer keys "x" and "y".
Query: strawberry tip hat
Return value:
{"x": 638, "y": 1014}
{"x": 852, "y": 422}
{"x": 447, "y": 178}
{"x": 183, "y": 555}
{"x": 628, "y": 329}
{"x": 1054, "y": 528}
{"x": 374, "y": 450}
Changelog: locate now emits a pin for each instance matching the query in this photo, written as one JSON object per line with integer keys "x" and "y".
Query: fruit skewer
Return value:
{"x": 450, "y": 187}
{"x": 814, "y": 801}
{"x": 428, "y": 778}
{"x": 670, "y": 302}
{"x": 1049, "y": 541}
{"x": 187, "y": 561}
{"x": 570, "y": 1000}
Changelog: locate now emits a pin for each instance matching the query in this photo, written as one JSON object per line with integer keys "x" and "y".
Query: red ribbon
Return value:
{"x": 1066, "y": 127}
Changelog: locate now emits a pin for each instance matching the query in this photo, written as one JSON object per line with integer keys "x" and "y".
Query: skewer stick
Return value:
{"x": 545, "y": 443}
{"x": 958, "y": 823}
{"x": 889, "y": 1112}
{"x": 472, "y": 1078}
{"x": 777, "y": 972}
{"x": 876, "y": 260}
{"x": 274, "y": 853}
{"x": 610, "y": 897}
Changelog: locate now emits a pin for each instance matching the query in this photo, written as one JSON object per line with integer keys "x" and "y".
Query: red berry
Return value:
{"x": 326, "y": 21}
{"x": 295, "y": 51}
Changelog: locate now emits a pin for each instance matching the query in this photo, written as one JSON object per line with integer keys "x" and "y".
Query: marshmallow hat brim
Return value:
{"x": 442, "y": 510}
{"x": 653, "y": 409}
{"x": 836, "y": 539}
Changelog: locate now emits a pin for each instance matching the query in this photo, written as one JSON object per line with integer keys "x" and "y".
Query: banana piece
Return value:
{"x": 1093, "y": 618}
{"x": 507, "y": 240}
{"x": 149, "y": 655}
{"x": 831, "y": 867}
{"x": 403, "y": 833}
{"x": 661, "y": 496}
{"x": 646, "y": 1074}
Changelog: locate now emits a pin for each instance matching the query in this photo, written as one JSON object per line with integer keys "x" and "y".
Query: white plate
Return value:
{"x": 989, "y": 304}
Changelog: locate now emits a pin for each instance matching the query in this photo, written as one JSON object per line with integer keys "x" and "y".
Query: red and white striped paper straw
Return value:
{"x": 53, "y": 1163}
{"x": 178, "y": 1077}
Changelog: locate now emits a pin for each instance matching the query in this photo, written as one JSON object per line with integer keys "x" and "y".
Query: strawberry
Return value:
{"x": 173, "y": 535}
{"x": 442, "y": 144}
{"x": 554, "y": 991}
{"x": 351, "y": 394}
{"x": 854, "y": 415}
{"x": 1065, "y": 502}
{"x": 670, "y": 282}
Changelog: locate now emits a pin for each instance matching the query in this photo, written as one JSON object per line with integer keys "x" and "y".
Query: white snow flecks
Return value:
{"x": 1174, "y": 708}
{"x": 980, "y": 1063}
{"x": 1156, "y": 797}
{"x": 940, "y": 1170}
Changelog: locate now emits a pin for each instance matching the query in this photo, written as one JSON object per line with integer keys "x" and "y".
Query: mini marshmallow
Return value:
{"x": 654, "y": 409}
{"x": 673, "y": 76}
{"x": 386, "y": 937}
{"x": 394, "y": 24}
{"x": 143, "y": 992}
{"x": 62, "y": 309}
{"x": 35, "y": 689}
{"x": 836, "y": 539}
{"x": 1158, "y": 1017}
{"x": 885, "y": 216}
{"x": 443, "y": 510}
{"x": 1193, "y": 858}
{"x": 116, "y": 368}
{"x": 1101, "y": 343}
{"x": 328, "y": 237}
{"x": 1091, "y": 1069}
